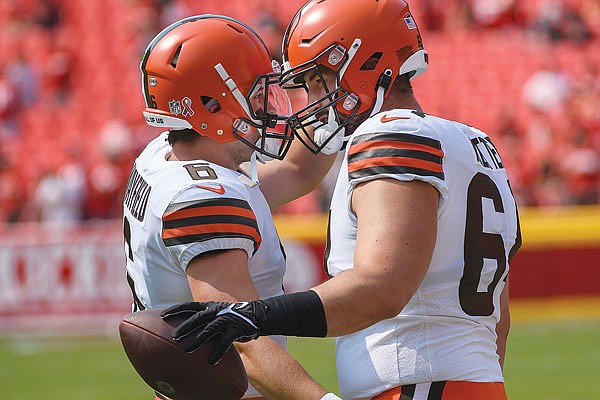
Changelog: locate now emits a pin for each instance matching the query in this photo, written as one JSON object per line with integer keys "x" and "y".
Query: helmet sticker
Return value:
{"x": 176, "y": 109}
{"x": 410, "y": 22}
{"x": 153, "y": 81}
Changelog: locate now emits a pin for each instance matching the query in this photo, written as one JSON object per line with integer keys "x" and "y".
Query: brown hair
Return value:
{"x": 182, "y": 135}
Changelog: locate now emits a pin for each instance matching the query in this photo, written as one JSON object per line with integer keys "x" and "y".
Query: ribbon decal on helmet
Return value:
{"x": 187, "y": 107}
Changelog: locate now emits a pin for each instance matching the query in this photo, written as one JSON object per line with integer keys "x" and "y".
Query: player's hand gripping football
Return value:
{"x": 229, "y": 322}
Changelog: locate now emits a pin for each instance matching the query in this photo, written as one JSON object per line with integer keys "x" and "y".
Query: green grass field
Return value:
{"x": 546, "y": 360}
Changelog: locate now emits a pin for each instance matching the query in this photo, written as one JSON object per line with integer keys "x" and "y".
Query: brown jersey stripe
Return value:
{"x": 391, "y": 152}
{"x": 398, "y": 137}
{"x": 204, "y": 237}
{"x": 408, "y": 392}
{"x": 436, "y": 390}
{"x": 206, "y": 211}
{"x": 208, "y": 203}
{"x": 212, "y": 231}
{"x": 209, "y": 219}
{"x": 393, "y": 170}
{"x": 395, "y": 144}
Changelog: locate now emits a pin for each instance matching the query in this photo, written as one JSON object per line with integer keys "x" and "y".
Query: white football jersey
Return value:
{"x": 176, "y": 210}
{"x": 447, "y": 330}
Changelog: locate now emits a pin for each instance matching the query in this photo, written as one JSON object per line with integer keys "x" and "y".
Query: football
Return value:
{"x": 167, "y": 368}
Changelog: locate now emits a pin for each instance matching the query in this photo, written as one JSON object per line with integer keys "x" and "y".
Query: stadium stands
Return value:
{"x": 72, "y": 67}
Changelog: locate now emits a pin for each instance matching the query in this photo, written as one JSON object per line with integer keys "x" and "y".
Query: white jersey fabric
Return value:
{"x": 447, "y": 330}
{"x": 176, "y": 210}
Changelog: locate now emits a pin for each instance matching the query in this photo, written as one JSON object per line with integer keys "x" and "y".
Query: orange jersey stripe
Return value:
{"x": 395, "y": 162}
{"x": 212, "y": 228}
{"x": 387, "y": 144}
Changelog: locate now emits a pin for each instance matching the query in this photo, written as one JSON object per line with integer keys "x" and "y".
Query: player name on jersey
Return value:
{"x": 486, "y": 152}
{"x": 137, "y": 194}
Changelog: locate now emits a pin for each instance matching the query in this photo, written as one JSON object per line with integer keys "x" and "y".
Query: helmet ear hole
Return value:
{"x": 175, "y": 58}
{"x": 212, "y": 105}
{"x": 372, "y": 62}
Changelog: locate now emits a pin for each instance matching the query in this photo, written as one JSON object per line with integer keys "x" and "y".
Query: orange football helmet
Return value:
{"x": 366, "y": 42}
{"x": 214, "y": 74}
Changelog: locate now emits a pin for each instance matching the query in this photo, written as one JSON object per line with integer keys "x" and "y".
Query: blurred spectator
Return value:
{"x": 433, "y": 14}
{"x": 458, "y": 15}
{"x": 549, "y": 188}
{"x": 536, "y": 163}
{"x": 108, "y": 175}
{"x": 583, "y": 104}
{"x": 9, "y": 108}
{"x": 508, "y": 137}
{"x": 495, "y": 13}
{"x": 19, "y": 89}
{"x": 106, "y": 184}
{"x": 58, "y": 197}
{"x": 580, "y": 167}
{"x": 547, "y": 88}
{"x": 57, "y": 70}
{"x": 47, "y": 13}
{"x": 558, "y": 21}
{"x": 115, "y": 139}
{"x": 23, "y": 76}
{"x": 13, "y": 195}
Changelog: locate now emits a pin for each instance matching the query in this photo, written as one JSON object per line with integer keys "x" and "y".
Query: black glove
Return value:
{"x": 296, "y": 314}
{"x": 231, "y": 321}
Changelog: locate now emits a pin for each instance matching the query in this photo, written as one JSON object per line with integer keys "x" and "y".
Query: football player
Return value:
{"x": 195, "y": 227}
{"x": 422, "y": 226}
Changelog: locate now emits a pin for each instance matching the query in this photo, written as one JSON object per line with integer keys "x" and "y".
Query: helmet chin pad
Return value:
{"x": 416, "y": 63}
{"x": 162, "y": 119}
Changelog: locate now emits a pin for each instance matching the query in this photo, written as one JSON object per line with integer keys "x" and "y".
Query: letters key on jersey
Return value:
{"x": 486, "y": 152}
{"x": 137, "y": 194}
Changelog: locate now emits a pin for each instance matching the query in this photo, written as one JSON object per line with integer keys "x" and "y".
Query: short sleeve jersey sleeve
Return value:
{"x": 405, "y": 150}
{"x": 196, "y": 222}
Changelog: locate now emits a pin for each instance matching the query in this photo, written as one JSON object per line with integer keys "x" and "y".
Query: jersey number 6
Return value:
{"x": 480, "y": 245}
